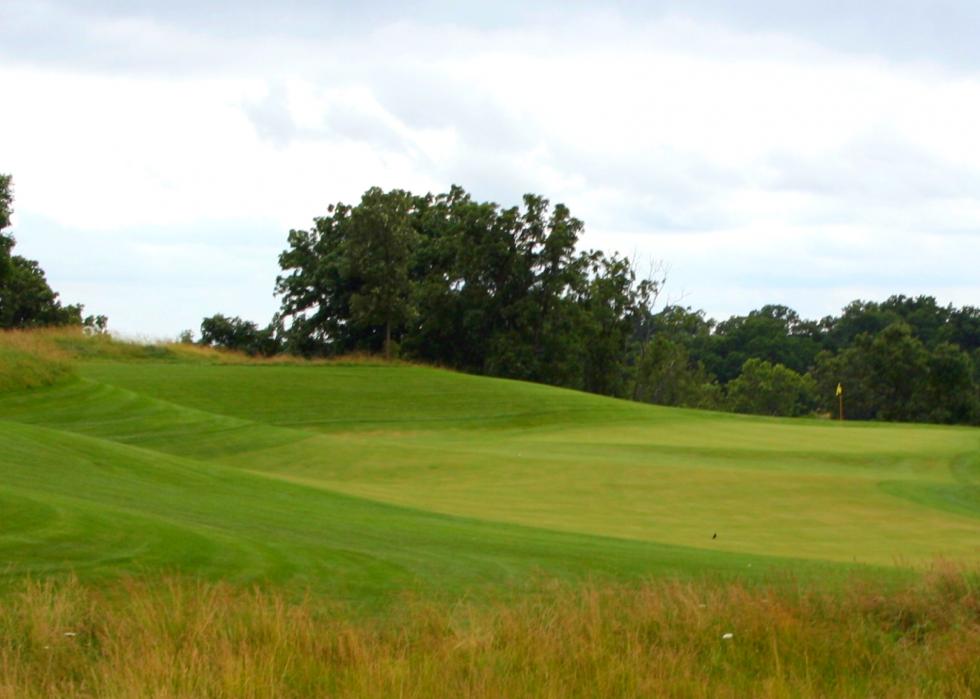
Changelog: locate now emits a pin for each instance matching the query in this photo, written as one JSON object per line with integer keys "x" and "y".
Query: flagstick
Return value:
{"x": 841, "y": 397}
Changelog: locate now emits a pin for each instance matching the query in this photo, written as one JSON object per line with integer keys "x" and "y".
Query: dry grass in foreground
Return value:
{"x": 665, "y": 639}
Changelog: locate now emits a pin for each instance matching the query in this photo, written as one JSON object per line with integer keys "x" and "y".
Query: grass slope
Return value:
{"x": 102, "y": 481}
{"x": 542, "y": 457}
{"x": 30, "y": 360}
{"x": 365, "y": 480}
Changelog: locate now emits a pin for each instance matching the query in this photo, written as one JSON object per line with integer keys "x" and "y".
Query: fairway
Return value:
{"x": 367, "y": 479}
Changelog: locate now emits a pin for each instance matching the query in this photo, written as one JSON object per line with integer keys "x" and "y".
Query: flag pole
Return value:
{"x": 840, "y": 398}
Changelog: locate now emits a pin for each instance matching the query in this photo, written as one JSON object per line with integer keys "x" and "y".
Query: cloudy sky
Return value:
{"x": 769, "y": 151}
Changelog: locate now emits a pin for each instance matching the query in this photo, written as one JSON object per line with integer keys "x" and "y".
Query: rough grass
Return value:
{"x": 30, "y": 359}
{"x": 107, "y": 348}
{"x": 102, "y": 348}
{"x": 179, "y": 638}
{"x": 36, "y": 358}
{"x": 67, "y": 345}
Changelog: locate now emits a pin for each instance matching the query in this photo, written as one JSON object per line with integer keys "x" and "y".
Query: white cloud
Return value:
{"x": 763, "y": 166}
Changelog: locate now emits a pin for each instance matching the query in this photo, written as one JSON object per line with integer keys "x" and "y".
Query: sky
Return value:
{"x": 765, "y": 151}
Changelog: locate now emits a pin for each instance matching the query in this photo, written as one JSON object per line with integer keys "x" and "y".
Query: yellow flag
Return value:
{"x": 839, "y": 391}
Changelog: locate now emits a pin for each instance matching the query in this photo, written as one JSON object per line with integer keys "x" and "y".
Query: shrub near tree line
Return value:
{"x": 237, "y": 334}
{"x": 771, "y": 389}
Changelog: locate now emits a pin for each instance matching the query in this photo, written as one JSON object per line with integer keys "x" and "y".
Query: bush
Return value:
{"x": 771, "y": 389}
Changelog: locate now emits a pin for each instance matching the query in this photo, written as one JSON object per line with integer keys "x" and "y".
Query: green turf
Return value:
{"x": 538, "y": 456}
{"x": 369, "y": 480}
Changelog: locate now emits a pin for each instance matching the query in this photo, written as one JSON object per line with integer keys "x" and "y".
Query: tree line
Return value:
{"x": 904, "y": 359}
{"x": 447, "y": 280}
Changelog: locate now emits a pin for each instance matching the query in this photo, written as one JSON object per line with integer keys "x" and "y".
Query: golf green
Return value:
{"x": 368, "y": 480}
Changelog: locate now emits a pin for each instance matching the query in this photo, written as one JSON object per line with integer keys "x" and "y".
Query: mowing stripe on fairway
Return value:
{"x": 367, "y": 480}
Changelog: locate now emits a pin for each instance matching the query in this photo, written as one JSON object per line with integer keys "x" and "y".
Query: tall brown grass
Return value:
{"x": 106, "y": 347}
{"x": 62, "y": 346}
{"x": 664, "y": 639}
{"x": 31, "y": 359}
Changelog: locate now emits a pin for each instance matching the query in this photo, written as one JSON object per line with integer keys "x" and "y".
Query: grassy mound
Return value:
{"x": 107, "y": 348}
{"x": 30, "y": 360}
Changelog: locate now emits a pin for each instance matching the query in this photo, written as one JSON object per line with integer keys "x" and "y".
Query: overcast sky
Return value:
{"x": 769, "y": 151}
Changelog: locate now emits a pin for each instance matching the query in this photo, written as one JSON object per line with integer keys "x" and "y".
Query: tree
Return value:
{"x": 462, "y": 269}
{"x": 27, "y": 301}
{"x": 98, "y": 325}
{"x": 463, "y": 284}
{"x": 856, "y": 319}
{"x": 962, "y": 328}
{"x": 773, "y": 333}
{"x": 539, "y": 333}
{"x": 6, "y": 241}
{"x": 771, "y": 389}
{"x": 952, "y": 392}
{"x": 316, "y": 292}
{"x": 893, "y": 376}
{"x": 346, "y": 283}
{"x": 666, "y": 375}
{"x": 237, "y": 334}
{"x": 610, "y": 300}
{"x": 897, "y": 366}
{"x": 922, "y": 314}
{"x": 379, "y": 251}
{"x": 665, "y": 370}
{"x": 6, "y": 210}
{"x": 26, "y": 298}
{"x": 843, "y": 369}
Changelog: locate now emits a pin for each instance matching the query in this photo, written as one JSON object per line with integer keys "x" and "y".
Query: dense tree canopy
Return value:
{"x": 892, "y": 375}
{"x": 379, "y": 250}
{"x": 463, "y": 284}
{"x": 771, "y": 389}
{"x": 775, "y": 334}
